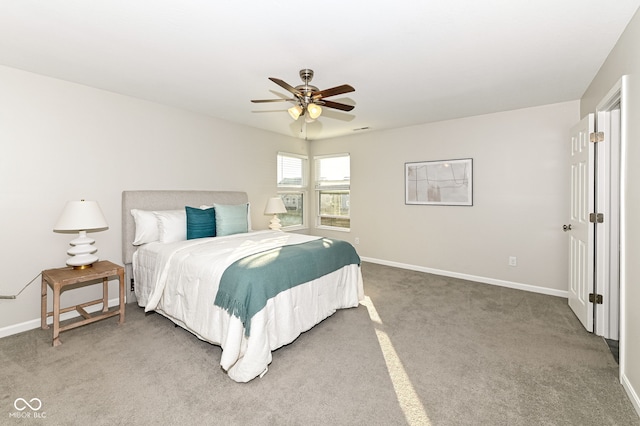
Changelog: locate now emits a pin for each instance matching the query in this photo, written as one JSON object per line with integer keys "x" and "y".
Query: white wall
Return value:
{"x": 520, "y": 197}
{"x": 63, "y": 141}
{"x": 624, "y": 60}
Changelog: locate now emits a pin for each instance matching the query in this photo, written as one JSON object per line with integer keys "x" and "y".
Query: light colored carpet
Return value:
{"x": 459, "y": 353}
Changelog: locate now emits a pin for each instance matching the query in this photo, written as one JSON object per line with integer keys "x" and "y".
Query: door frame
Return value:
{"x": 609, "y": 317}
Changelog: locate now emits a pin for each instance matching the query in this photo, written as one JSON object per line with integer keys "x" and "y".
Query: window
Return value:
{"x": 333, "y": 177}
{"x": 292, "y": 188}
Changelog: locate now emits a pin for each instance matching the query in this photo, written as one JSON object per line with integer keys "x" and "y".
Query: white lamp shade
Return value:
{"x": 81, "y": 216}
{"x": 295, "y": 111}
{"x": 314, "y": 111}
{"x": 275, "y": 206}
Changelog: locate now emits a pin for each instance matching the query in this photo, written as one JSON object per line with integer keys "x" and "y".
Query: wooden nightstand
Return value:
{"x": 60, "y": 278}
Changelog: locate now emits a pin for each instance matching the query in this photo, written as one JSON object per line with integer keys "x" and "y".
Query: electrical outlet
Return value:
{"x": 513, "y": 261}
{"x": 356, "y": 240}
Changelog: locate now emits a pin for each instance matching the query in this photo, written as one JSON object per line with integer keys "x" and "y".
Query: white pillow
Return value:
{"x": 172, "y": 225}
{"x": 146, "y": 227}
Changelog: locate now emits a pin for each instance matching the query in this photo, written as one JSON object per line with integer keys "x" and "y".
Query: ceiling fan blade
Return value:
{"x": 286, "y": 86}
{"x": 337, "y": 105}
{"x": 258, "y": 101}
{"x": 338, "y": 90}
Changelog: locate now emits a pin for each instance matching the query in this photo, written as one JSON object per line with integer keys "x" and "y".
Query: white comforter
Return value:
{"x": 180, "y": 281}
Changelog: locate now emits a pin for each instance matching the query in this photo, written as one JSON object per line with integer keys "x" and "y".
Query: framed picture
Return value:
{"x": 439, "y": 183}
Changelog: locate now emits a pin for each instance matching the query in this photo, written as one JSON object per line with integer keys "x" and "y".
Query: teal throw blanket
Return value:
{"x": 247, "y": 284}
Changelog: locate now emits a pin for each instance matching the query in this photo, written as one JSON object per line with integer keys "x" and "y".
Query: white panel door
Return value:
{"x": 580, "y": 230}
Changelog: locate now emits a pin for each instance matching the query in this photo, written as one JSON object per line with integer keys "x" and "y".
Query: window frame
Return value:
{"x": 301, "y": 189}
{"x": 319, "y": 189}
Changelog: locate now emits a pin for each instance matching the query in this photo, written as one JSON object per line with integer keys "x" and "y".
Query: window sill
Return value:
{"x": 333, "y": 228}
{"x": 295, "y": 228}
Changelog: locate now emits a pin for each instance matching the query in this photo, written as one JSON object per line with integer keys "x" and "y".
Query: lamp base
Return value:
{"x": 82, "y": 261}
{"x": 275, "y": 223}
{"x": 82, "y": 252}
{"x": 83, "y": 266}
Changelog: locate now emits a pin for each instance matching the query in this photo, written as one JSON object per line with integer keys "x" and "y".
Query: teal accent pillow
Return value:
{"x": 231, "y": 219}
{"x": 201, "y": 223}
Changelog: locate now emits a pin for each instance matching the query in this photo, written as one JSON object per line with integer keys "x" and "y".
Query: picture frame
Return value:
{"x": 439, "y": 183}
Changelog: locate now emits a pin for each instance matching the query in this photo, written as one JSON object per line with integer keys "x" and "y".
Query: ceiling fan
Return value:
{"x": 308, "y": 99}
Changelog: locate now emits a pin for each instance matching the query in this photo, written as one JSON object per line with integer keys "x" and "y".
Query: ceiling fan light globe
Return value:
{"x": 295, "y": 111}
{"x": 314, "y": 111}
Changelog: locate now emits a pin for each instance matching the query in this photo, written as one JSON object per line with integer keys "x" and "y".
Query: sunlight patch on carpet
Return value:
{"x": 410, "y": 404}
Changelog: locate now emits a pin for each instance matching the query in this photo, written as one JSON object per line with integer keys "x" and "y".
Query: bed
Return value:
{"x": 250, "y": 292}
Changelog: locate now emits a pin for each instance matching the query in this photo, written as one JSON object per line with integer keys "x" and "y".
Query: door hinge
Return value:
{"x": 595, "y": 298}
{"x": 596, "y": 137}
{"x": 596, "y": 217}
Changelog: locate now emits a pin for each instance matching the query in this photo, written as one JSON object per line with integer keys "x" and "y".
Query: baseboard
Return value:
{"x": 631, "y": 393}
{"x": 485, "y": 280}
{"x": 35, "y": 323}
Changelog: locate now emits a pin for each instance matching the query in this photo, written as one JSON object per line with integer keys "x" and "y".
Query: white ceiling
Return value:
{"x": 410, "y": 61}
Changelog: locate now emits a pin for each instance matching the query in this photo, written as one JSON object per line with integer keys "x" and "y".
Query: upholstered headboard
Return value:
{"x": 166, "y": 200}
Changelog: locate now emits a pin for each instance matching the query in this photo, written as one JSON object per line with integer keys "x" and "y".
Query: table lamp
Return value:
{"x": 81, "y": 216}
{"x": 275, "y": 206}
